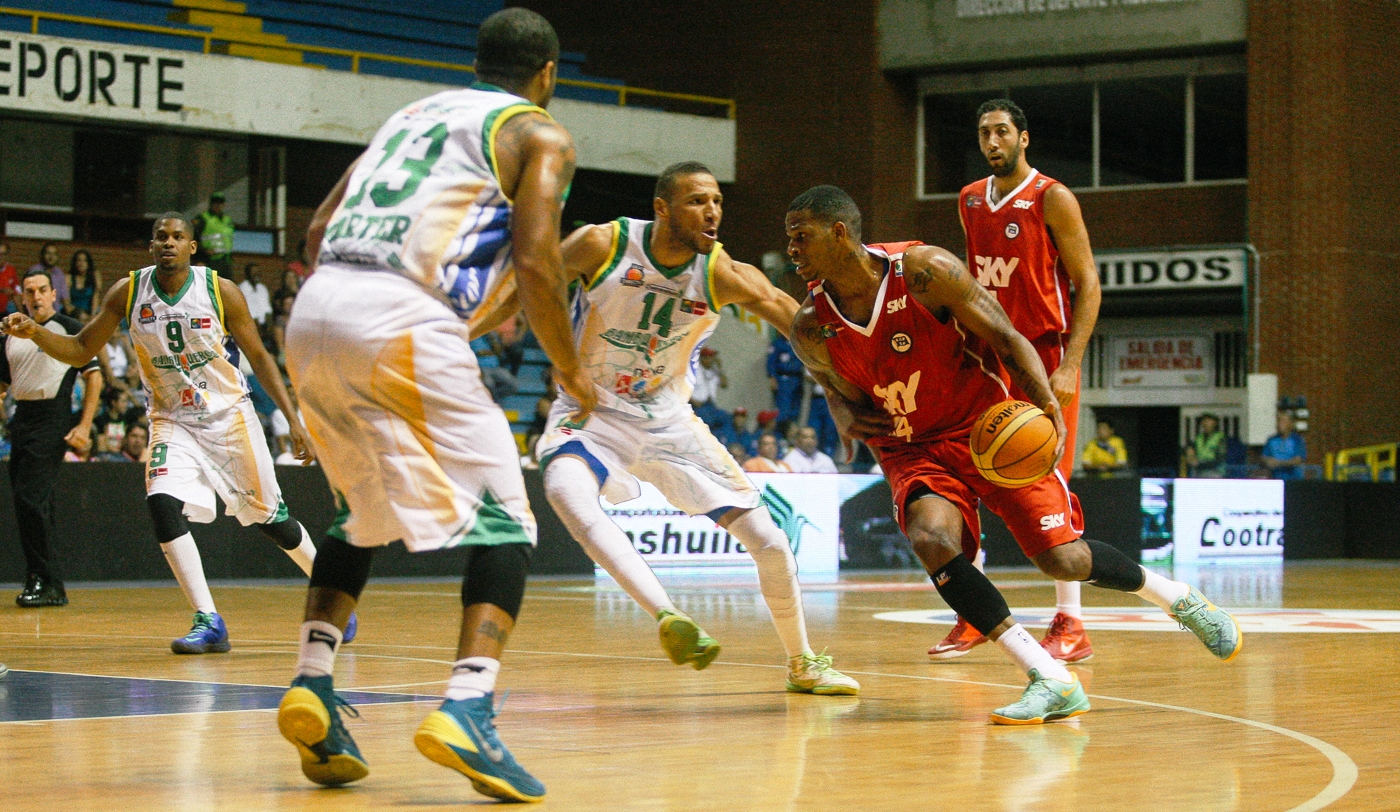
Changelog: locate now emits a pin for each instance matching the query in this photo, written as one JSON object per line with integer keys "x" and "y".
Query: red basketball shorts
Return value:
{"x": 1041, "y": 515}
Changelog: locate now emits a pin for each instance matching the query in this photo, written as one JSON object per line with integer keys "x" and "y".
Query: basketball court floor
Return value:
{"x": 97, "y": 714}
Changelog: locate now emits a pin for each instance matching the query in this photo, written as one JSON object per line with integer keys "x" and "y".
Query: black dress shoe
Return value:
{"x": 41, "y": 591}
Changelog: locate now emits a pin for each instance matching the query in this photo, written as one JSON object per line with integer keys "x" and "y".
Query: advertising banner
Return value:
{"x": 1166, "y": 362}
{"x": 806, "y": 507}
{"x": 1171, "y": 270}
{"x": 1223, "y": 519}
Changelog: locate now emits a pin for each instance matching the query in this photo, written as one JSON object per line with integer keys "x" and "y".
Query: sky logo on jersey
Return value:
{"x": 1052, "y": 521}
{"x": 633, "y": 277}
{"x": 1023, "y": 204}
{"x": 995, "y": 272}
{"x": 147, "y": 315}
{"x": 693, "y": 307}
{"x": 197, "y": 323}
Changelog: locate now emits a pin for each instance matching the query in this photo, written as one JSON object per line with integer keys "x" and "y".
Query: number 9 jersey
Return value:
{"x": 424, "y": 201}
{"x": 181, "y": 346}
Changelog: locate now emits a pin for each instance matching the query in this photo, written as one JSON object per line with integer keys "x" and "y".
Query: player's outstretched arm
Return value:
{"x": 79, "y": 349}
{"x": 855, "y": 416}
{"x": 535, "y": 159}
{"x": 585, "y": 252}
{"x": 239, "y": 323}
{"x": 940, "y": 282}
{"x": 744, "y": 285}
{"x": 1066, "y": 224}
{"x": 322, "y": 218}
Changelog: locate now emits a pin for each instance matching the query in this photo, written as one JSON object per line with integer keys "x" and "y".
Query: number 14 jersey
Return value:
{"x": 181, "y": 346}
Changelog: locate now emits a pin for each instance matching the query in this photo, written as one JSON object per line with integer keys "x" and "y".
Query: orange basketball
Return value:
{"x": 1013, "y": 444}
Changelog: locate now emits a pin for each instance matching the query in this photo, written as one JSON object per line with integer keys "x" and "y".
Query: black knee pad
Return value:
{"x": 969, "y": 593}
{"x": 496, "y": 575}
{"x": 341, "y": 566}
{"x": 1111, "y": 569}
{"x": 287, "y": 533}
{"x": 168, "y": 517}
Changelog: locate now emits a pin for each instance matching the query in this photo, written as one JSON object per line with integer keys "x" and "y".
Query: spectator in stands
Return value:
{"x": 258, "y": 296}
{"x": 767, "y": 461}
{"x": 291, "y": 283}
{"x": 785, "y": 373}
{"x": 787, "y": 436}
{"x": 510, "y": 347}
{"x": 709, "y": 379}
{"x": 117, "y": 414}
{"x": 497, "y": 378}
{"x": 1106, "y": 455}
{"x": 9, "y": 282}
{"x": 116, "y": 361}
{"x": 298, "y": 264}
{"x": 1285, "y": 452}
{"x": 83, "y": 284}
{"x": 744, "y": 434}
{"x": 819, "y": 418}
{"x": 767, "y": 423}
{"x": 48, "y": 263}
{"x": 285, "y": 301}
{"x": 213, "y": 232}
{"x": 739, "y": 453}
{"x": 1205, "y": 456}
{"x": 132, "y": 448}
{"x": 806, "y": 458}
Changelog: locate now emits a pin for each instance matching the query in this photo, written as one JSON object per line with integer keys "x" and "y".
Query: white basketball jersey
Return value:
{"x": 638, "y": 325}
{"x": 424, "y": 201}
{"x": 181, "y": 346}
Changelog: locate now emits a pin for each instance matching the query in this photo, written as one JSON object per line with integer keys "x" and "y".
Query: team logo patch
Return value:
{"x": 693, "y": 307}
{"x": 147, "y": 315}
{"x": 1040, "y": 183}
{"x": 633, "y": 277}
{"x": 830, "y": 330}
{"x": 901, "y": 342}
{"x": 974, "y": 201}
{"x": 155, "y": 472}
{"x": 197, "y": 323}
{"x": 1012, "y": 230}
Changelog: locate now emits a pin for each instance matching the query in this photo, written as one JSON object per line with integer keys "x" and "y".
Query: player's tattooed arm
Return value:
{"x": 950, "y": 286}
{"x": 75, "y": 350}
{"x": 744, "y": 285}
{"x": 322, "y": 218}
{"x": 856, "y": 417}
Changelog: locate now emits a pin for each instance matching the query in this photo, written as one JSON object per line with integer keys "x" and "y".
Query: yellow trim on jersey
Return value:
{"x": 501, "y": 117}
{"x": 131, "y": 297}
{"x": 218, "y": 296}
{"x": 710, "y": 275}
{"x": 613, "y": 254}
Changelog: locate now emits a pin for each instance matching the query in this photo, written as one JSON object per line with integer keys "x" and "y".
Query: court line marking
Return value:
{"x": 1345, "y": 773}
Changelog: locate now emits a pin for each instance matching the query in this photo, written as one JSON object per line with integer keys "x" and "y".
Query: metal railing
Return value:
{"x": 210, "y": 38}
{"x": 1377, "y": 462}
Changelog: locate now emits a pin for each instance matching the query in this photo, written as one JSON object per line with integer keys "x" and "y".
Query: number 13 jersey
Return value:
{"x": 181, "y": 346}
{"x": 425, "y": 202}
{"x": 638, "y": 325}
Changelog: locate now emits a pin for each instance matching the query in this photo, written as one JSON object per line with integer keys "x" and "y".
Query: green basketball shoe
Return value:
{"x": 1215, "y": 627}
{"x": 810, "y": 673}
{"x": 684, "y": 641}
{"x": 1045, "y": 700}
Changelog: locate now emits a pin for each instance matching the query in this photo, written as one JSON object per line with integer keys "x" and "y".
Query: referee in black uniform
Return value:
{"x": 41, "y": 430}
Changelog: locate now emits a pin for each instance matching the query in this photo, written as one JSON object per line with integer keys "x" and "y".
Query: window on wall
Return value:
{"x": 1120, "y": 132}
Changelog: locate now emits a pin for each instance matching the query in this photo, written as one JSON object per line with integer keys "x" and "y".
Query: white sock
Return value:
{"x": 473, "y": 677}
{"x": 319, "y": 642}
{"x": 305, "y": 553}
{"x": 1162, "y": 591}
{"x": 777, "y": 576}
{"x": 183, "y": 557}
{"x": 573, "y": 492}
{"x": 980, "y": 561}
{"x": 1067, "y": 599}
{"x": 1027, "y": 653}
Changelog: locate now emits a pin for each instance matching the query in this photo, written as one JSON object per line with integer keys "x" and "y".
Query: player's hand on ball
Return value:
{"x": 20, "y": 325}
{"x": 1057, "y": 414}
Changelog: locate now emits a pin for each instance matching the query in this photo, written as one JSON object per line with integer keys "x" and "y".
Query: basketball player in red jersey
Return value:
{"x": 1027, "y": 243}
{"x": 903, "y": 326}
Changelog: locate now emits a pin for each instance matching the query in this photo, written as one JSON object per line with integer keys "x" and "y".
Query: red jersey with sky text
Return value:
{"x": 933, "y": 376}
{"x": 1011, "y": 251}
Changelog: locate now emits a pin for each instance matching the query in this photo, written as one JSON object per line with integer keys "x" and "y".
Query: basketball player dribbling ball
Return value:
{"x": 457, "y": 195}
{"x": 905, "y": 327}
{"x": 1027, "y": 244}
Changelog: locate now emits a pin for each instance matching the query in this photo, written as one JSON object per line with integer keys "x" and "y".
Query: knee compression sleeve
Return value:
{"x": 969, "y": 593}
{"x": 341, "y": 566}
{"x": 496, "y": 575}
{"x": 287, "y": 533}
{"x": 168, "y": 517}
{"x": 1111, "y": 569}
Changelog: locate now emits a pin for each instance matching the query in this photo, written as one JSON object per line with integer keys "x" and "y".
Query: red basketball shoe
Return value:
{"x": 962, "y": 639}
{"x": 1066, "y": 640}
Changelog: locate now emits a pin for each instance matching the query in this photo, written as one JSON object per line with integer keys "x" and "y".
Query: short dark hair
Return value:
{"x": 513, "y": 44}
{"x": 37, "y": 272}
{"x": 172, "y": 215}
{"x": 1104, "y": 421}
{"x": 1018, "y": 116}
{"x": 666, "y": 181}
{"x": 830, "y": 204}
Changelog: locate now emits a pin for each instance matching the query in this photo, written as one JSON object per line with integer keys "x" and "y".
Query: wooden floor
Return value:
{"x": 1298, "y": 721}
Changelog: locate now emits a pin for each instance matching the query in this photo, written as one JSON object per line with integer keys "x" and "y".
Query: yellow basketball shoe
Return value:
{"x": 684, "y": 641}
{"x": 810, "y": 673}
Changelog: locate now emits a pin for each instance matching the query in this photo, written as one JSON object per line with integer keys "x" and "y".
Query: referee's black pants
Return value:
{"x": 36, "y": 452}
